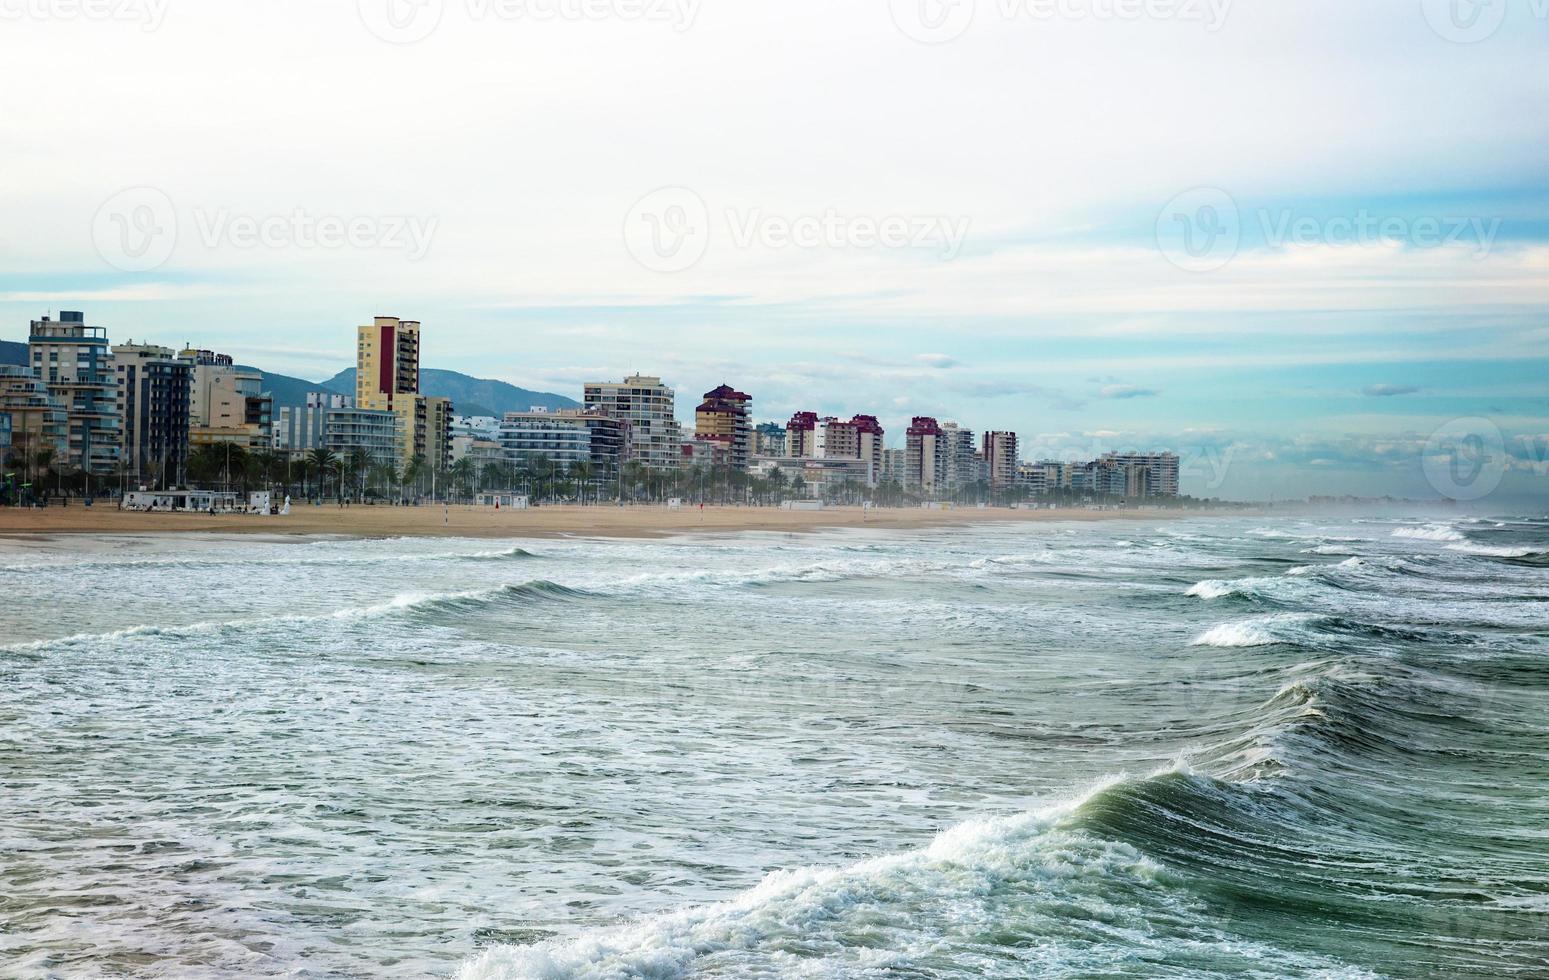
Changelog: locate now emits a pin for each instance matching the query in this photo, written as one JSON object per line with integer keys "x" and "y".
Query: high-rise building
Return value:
{"x": 725, "y": 417}
{"x": 927, "y": 459}
{"x": 860, "y": 438}
{"x": 73, "y": 360}
{"x": 962, "y": 461}
{"x": 648, "y": 406}
{"x": 226, "y": 403}
{"x": 1000, "y": 457}
{"x": 377, "y": 434}
{"x": 895, "y": 465}
{"x": 1147, "y": 474}
{"x": 38, "y": 419}
{"x": 566, "y": 437}
{"x": 299, "y": 429}
{"x": 769, "y": 439}
{"x": 387, "y": 379}
{"x": 387, "y": 362}
{"x": 801, "y": 436}
{"x": 153, "y": 399}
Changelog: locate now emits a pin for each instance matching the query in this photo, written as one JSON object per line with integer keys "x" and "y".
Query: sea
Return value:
{"x": 1214, "y": 747}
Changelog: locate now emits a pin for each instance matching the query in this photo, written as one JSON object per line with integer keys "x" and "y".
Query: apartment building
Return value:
{"x": 648, "y": 406}
{"x": 962, "y": 459}
{"x": 74, "y": 361}
{"x": 565, "y": 437}
{"x": 1154, "y": 474}
{"x": 801, "y": 436}
{"x": 769, "y": 439}
{"x": 927, "y": 458}
{"x": 860, "y": 438}
{"x": 152, "y": 400}
{"x": 299, "y": 429}
{"x": 39, "y": 420}
{"x": 725, "y": 416}
{"x": 999, "y": 450}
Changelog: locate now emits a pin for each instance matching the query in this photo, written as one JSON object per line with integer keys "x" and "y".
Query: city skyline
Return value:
{"x": 1369, "y": 276}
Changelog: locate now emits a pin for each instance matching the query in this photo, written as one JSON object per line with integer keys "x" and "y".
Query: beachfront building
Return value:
{"x": 39, "y": 421}
{"x": 1044, "y": 476}
{"x": 73, "y": 360}
{"x": 299, "y": 429}
{"x": 480, "y": 452}
{"x": 475, "y": 427}
{"x": 226, "y": 403}
{"x": 1147, "y": 474}
{"x": 152, "y": 402}
{"x": 387, "y": 379}
{"x": 704, "y": 452}
{"x": 859, "y": 439}
{"x": 962, "y": 456}
{"x": 999, "y": 450}
{"x": 725, "y": 417}
{"x": 819, "y": 479}
{"x": 801, "y": 436}
{"x": 769, "y": 439}
{"x": 926, "y": 458}
{"x": 566, "y": 437}
{"x": 387, "y": 363}
{"x": 378, "y": 434}
{"x": 648, "y": 407}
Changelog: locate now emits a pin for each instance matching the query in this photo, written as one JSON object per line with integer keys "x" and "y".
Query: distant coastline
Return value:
{"x": 485, "y": 522}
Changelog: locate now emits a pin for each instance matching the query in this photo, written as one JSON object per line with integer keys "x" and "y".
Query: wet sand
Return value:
{"x": 474, "y": 522}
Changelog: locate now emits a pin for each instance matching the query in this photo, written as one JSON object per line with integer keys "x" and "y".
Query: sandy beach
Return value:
{"x": 471, "y": 521}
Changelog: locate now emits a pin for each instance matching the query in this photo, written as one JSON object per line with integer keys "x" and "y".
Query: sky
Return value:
{"x": 1305, "y": 245}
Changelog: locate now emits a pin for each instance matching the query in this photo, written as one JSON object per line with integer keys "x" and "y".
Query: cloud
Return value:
{"x": 1126, "y": 391}
{"x": 936, "y": 360}
{"x": 1387, "y": 391}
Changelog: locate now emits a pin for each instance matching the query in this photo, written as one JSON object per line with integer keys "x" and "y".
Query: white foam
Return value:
{"x": 1250, "y": 632}
{"x": 1431, "y": 532}
{"x": 1211, "y": 589}
{"x": 820, "y": 907}
{"x": 1490, "y": 551}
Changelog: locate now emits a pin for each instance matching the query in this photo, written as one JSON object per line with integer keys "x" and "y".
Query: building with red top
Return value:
{"x": 926, "y": 456}
{"x": 726, "y": 417}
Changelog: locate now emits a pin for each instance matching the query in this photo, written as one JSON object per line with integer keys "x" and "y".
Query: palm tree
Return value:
{"x": 413, "y": 473}
{"x": 321, "y": 460}
{"x": 462, "y": 474}
{"x": 359, "y": 464}
{"x": 581, "y": 473}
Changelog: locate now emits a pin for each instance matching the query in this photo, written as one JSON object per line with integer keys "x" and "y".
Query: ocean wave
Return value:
{"x": 408, "y": 602}
{"x": 1264, "y": 631}
{"x": 1431, "y": 532}
{"x": 1493, "y": 551}
{"x": 1059, "y": 897}
{"x": 250, "y": 561}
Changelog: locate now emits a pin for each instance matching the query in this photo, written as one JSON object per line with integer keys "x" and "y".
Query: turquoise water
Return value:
{"x": 1234, "y": 747}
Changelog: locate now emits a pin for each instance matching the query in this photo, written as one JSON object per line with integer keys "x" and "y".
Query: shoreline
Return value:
{"x": 471, "y": 521}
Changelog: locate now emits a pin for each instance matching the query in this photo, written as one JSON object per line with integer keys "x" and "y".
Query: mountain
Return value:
{"x": 293, "y": 391}
{"x": 470, "y": 396}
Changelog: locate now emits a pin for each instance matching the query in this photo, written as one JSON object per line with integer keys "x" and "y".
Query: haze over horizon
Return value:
{"x": 1311, "y": 254}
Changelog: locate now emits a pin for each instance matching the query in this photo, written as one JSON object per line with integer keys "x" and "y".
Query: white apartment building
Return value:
{"x": 649, "y": 408}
